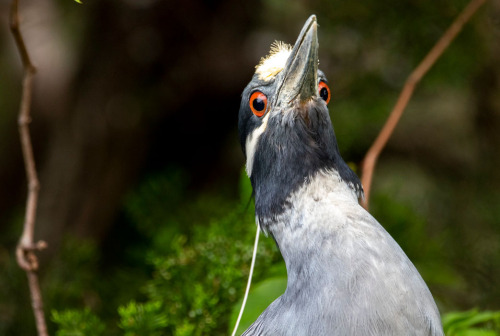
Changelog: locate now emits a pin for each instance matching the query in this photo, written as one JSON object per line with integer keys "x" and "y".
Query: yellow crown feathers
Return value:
{"x": 273, "y": 63}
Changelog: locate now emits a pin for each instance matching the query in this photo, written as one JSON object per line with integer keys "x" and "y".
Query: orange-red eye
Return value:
{"x": 324, "y": 91}
{"x": 258, "y": 103}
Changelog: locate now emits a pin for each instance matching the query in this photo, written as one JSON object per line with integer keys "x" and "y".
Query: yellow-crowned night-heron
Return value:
{"x": 346, "y": 275}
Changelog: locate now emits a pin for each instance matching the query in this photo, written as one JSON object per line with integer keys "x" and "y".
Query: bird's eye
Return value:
{"x": 324, "y": 91}
{"x": 258, "y": 103}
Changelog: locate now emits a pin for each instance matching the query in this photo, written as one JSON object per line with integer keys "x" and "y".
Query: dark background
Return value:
{"x": 126, "y": 90}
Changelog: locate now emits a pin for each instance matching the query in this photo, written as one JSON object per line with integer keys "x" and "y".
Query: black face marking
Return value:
{"x": 290, "y": 152}
{"x": 296, "y": 144}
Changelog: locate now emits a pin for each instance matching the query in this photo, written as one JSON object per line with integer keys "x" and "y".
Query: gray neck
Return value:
{"x": 306, "y": 231}
{"x": 346, "y": 275}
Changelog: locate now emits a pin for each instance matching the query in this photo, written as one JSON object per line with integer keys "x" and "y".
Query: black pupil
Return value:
{"x": 323, "y": 93}
{"x": 259, "y": 104}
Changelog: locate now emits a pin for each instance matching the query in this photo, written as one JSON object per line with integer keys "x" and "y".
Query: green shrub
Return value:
{"x": 77, "y": 323}
{"x": 142, "y": 319}
{"x": 200, "y": 251}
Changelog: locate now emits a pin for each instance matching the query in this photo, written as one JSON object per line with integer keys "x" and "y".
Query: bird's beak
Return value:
{"x": 300, "y": 75}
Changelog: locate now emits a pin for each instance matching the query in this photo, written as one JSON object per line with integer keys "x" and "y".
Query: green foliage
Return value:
{"x": 77, "y": 323}
{"x": 142, "y": 319}
{"x": 472, "y": 323}
{"x": 202, "y": 277}
{"x": 199, "y": 252}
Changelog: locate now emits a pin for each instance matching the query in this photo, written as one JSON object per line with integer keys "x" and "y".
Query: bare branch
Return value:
{"x": 378, "y": 145}
{"x": 25, "y": 251}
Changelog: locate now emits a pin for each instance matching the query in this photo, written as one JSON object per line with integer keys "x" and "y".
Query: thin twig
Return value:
{"x": 378, "y": 145}
{"x": 25, "y": 251}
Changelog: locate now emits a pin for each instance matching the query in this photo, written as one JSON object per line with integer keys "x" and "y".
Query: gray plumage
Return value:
{"x": 346, "y": 275}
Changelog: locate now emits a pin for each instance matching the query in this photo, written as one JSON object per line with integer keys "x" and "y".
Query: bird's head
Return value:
{"x": 284, "y": 125}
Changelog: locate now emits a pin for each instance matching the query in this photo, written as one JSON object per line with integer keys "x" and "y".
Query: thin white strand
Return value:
{"x": 254, "y": 255}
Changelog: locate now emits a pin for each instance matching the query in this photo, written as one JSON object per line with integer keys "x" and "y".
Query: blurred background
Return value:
{"x": 144, "y": 203}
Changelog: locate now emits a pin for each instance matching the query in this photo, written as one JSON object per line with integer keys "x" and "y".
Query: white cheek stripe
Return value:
{"x": 251, "y": 144}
